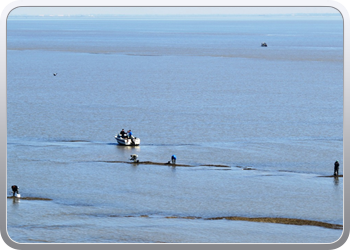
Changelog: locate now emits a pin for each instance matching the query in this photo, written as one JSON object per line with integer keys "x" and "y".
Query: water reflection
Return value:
{"x": 15, "y": 201}
{"x": 336, "y": 180}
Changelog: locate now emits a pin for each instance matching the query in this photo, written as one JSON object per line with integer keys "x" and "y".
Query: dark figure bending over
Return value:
{"x": 336, "y": 168}
{"x": 173, "y": 159}
{"x": 14, "y": 189}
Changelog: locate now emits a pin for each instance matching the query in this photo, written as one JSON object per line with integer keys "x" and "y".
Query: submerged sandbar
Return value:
{"x": 30, "y": 198}
{"x": 277, "y": 220}
{"x": 288, "y": 221}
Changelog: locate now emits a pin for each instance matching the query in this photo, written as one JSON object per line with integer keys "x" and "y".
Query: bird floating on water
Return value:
{"x": 54, "y": 74}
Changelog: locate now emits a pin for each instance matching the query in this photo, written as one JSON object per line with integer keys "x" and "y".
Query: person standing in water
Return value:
{"x": 173, "y": 159}
{"x": 336, "y": 168}
{"x": 14, "y": 189}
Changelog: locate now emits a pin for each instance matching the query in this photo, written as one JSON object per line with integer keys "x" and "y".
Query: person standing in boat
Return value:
{"x": 130, "y": 136}
{"x": 123, "y": 133}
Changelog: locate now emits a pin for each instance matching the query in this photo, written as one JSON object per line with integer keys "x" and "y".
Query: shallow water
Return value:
{"x": 203, "y": 90}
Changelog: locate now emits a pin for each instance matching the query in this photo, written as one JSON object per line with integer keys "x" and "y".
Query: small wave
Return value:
{"x": 171, "y": 145}
{"x": 72, "y": 140}
{"x": 141, "y": 55}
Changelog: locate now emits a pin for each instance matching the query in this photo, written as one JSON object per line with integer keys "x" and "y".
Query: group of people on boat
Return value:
{"x": 126, "y": 134}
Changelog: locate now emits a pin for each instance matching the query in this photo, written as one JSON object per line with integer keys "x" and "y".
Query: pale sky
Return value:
{"x": 169, "y": 10}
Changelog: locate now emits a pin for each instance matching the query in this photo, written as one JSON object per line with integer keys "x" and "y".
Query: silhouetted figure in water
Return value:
{"x": 14, "y": 189}
{"x": 336, "y": 168}
{"x": 173, "y": 159}
{"x": 134, "y": 158}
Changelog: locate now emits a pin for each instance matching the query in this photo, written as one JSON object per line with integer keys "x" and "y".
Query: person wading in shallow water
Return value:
{"x": 173, "y": 159}
{"x": 336, "y": 168}
{"x": 14, "y": 189}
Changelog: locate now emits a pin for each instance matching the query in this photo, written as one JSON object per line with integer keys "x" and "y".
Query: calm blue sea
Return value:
{"x": 202, "y": 89}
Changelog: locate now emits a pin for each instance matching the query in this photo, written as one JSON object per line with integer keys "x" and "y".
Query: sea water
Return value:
{"x": 202, "y": 89}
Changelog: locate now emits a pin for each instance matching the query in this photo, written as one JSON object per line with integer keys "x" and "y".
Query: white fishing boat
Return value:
{"x": 125, "y": 141}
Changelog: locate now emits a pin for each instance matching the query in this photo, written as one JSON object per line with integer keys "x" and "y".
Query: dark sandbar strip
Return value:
{"x": 164, "y": 164}
{"x": 287, "y": 221}
{"x": 201, "y": 165}
{"x": 30, "y": 198}
{"x": 332, "y": 176}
